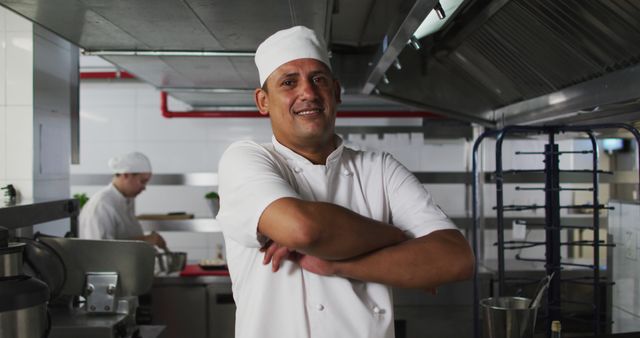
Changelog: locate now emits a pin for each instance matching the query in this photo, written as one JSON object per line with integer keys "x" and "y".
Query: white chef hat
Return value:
{"x": 130, "y": 163}
{"x": 297, "y": 42}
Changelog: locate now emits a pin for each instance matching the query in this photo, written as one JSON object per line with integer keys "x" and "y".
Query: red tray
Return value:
{"x": 193, "y": 270}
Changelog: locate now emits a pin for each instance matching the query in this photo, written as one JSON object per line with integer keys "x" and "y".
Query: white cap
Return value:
{"x": 294, "y": 43}
{"x": 130, "y": 163}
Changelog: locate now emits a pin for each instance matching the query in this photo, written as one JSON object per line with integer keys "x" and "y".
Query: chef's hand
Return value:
{"x": 155, "y": 239}
{"x": 317, "y": 265}
{"x": 274, "y": 253}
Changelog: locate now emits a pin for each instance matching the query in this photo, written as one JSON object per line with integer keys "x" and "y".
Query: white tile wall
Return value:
{"x": 443, "y": 155}
{"x": 3, "y": 142}
{"x": 24, "y": 188}
{"x": 120, "y": 93}
{"x": 3, "y": 61}
{"x": 180, "y": 156}
{"x": 228, "y": 130}
{"x": 3, "y": 20}
{"x": 19, "y": 142}
{"x": 163, "y": 199}
{"x": 149, "y": 96}
{"x": 198, "y": 246}
{"x": 19, "y": 68}
{"x": 152, "y": 126}
{"x": 107, "y": 123}
{"x": 16, "y": 103}
{"x": 450, "y": 198}
{"x": 16, "y": 23}
{"x": 94, "y": 155}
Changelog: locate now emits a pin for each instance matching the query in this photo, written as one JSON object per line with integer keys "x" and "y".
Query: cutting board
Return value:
{"x": 194, "y": 270}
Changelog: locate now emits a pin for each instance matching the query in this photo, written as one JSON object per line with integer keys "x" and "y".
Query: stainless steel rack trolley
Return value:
{"x": 553, "y": 262}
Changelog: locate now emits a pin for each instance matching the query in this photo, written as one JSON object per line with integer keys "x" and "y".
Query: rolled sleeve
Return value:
{"x": 249, "y": 179}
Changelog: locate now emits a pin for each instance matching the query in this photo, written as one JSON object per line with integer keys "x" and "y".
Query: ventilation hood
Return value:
{"x": 493, "y": 63}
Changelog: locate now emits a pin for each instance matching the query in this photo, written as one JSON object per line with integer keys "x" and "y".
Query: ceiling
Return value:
{"x": 495, "y": 62}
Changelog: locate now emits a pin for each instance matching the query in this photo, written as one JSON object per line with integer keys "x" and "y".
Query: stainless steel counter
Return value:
{"x": 176, "y": 280}
{"x": 202, "y": 307}
{"x": 187, "y": 225}
{"x": 194, "y": 307}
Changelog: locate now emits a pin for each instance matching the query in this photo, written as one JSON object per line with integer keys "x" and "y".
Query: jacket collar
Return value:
{"x": 291, "y": 155}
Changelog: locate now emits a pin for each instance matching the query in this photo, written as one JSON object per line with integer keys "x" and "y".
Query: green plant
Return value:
{"x": 82, "y": 199}
{"x": 212, "y": 195}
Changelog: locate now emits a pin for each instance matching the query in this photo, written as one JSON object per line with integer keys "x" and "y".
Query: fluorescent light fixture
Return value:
{"x": 612, "y": 144}
{"x": 432, "y": 23}
{"x": 397, "y": 64}
{"x": 413, "y": 41}
{"x": 440, "y": 11}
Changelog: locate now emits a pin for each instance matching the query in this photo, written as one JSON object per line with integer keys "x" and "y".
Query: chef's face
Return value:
{"x": 300, "y": 97}
{"x": 135, "y": 183}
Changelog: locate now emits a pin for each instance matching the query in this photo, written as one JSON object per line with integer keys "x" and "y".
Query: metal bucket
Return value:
{"x": 170, "y": 262}
{"x": 508, "y": 317}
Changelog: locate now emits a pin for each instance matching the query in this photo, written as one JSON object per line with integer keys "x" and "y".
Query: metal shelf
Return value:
{"x": 28, "y": 213}
{"x": 431, "y": 177}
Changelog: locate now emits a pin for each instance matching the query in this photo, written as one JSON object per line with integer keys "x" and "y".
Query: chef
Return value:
{"x": 110, "y": 213}
{"x": 317, "y": 232}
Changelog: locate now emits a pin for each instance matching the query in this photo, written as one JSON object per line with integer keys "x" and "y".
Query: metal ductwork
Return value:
{"x": 493, "y": 62}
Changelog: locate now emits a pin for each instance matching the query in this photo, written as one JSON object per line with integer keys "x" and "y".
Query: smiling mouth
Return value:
{"x": 311, "y": 111}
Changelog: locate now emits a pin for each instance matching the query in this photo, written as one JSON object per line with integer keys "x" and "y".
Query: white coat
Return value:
{"x": 109, "y": 215}
{"x": 294, "y": 303}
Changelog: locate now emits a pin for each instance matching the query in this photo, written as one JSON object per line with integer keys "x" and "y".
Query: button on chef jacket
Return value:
{"x": 292, "y": 302}
{"x": 109, "y": 215}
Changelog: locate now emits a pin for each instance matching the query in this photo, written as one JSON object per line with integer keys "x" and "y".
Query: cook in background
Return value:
{"x": 316, "y": 232}
{"x": 110, "y": 213}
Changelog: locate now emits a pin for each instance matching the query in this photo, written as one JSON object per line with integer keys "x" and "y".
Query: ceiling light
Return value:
{"x": 414, "y": 42}
{"x": 437, "y": 18}
{"x": 440, "y": 11}
{"x": 397, "y": 64}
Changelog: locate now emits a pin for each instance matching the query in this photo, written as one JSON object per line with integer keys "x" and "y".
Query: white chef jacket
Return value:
{"x": 109, "y": 215}
{"x": 294, "y": 303}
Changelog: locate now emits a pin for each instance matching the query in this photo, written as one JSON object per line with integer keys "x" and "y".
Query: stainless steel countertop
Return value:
{"x": 187, "y": 225}
{"x": 176, "y": 280}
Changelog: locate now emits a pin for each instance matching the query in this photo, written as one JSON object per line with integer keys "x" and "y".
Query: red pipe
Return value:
{"x": 251, "y": 113}
{"x": 106, "y": 75}
{"x": 204, "y": 113}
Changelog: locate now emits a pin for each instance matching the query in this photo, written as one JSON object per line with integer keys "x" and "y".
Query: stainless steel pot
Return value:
{"x": 169, "y": 262}
{"x": 23, "y": 310}
{"x": 11, "y": 259}
{"x": 30, "y": 322}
